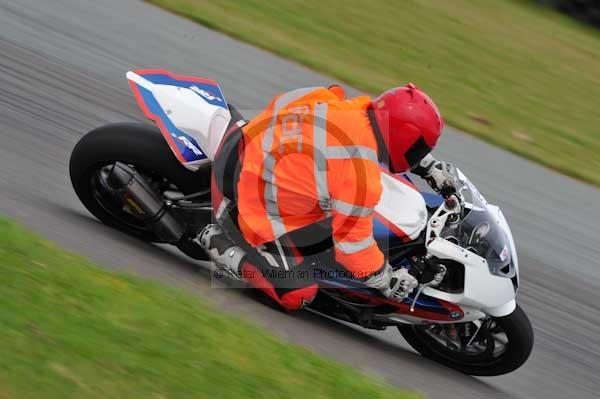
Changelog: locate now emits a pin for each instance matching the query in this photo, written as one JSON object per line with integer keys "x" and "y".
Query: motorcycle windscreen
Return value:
{"x": 191, "y": 112}
{"x": 480, "y": 230}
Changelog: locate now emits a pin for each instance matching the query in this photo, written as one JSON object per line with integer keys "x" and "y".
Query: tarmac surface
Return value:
{"x": 62, "y": 73}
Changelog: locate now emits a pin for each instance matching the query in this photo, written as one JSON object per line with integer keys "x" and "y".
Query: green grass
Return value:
{"x": 69, "y": 329}
{"x": 511, "y": 72}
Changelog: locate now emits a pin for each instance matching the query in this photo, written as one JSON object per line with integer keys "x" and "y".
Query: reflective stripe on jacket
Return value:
{"x": 308, "y": 156}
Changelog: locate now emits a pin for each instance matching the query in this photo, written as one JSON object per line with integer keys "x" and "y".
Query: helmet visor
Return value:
{"x": 416, "y": 152}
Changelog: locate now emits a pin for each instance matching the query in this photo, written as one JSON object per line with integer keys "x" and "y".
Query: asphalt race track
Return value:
{"x": 62, "y": 73}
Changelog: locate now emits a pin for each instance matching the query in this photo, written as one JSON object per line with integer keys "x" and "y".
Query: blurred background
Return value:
{"x": 515, "y": 73}
{"x": 516, "y": 80}
{"x": 587, "y": 11}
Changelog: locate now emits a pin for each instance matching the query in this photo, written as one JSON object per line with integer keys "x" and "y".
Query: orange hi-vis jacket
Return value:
{"x": 308, "y": 156}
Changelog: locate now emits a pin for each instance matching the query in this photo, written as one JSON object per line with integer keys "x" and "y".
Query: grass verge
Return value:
{"x": 511, "y": 72}
{"x": 69, "y": 329}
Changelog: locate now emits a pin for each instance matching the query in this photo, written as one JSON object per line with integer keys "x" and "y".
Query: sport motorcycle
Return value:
{"x": 154, "y": 182}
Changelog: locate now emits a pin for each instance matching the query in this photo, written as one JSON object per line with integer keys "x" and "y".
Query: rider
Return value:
{"x": 313, "y": 155}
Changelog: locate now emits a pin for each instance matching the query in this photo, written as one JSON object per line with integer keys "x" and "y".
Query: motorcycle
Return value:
{"x": 153, "y": 182}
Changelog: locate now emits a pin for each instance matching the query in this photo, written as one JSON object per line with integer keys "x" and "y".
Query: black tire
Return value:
{"x": 136, "y": 144}
{"x": 518, "y": 330}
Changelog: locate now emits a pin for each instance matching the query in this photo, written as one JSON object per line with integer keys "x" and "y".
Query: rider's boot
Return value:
{"x": 231, "y": 258}
{"x": 221, "y": 249}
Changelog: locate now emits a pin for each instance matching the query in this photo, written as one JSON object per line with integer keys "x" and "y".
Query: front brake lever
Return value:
{"x": 436, "y": 280}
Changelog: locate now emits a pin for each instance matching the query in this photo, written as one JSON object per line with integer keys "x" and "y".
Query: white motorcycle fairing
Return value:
{"x": 485, "y": 287}
{"x": 191, "y": 112}
{"x": 401, "y": 210}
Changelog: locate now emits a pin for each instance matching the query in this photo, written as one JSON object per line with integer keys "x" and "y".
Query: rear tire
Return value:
{"x": 517, "y": 328}
{"x": 137, "y": 144}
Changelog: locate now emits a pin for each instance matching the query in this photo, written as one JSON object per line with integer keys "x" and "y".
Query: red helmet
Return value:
{"x": 410, "y": 125}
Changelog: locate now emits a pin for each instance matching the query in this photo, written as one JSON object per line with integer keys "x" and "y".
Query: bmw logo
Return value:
{"x": 455, "y": 315}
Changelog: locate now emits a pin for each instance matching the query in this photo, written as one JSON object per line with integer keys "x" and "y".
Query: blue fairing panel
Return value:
{"x": 432, "y": 200}
{"x": 210, "y": 91}
{"x": 385, "y": 236}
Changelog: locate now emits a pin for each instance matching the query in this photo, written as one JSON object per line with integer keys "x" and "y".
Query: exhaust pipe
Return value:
{"x": 143, "y": 201}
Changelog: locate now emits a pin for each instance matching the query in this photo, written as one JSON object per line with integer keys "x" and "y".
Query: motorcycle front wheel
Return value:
{"x": 488, "y": 347}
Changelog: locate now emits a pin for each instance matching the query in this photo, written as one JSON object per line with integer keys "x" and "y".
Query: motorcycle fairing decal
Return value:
{"x": 184, "y": 146}
{"x": 450, "y": 312}
{"x": 427, "y": 307}
{"x": 208, "y": 89}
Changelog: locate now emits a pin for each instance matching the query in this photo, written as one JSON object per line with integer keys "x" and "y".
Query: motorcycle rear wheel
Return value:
{"x": 515, "y": 327}
{"x": 139, "y": 145}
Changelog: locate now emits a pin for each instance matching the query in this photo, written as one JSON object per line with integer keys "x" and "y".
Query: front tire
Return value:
{"x": 519, "y": 336}
{"x": 136, "y": 144}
